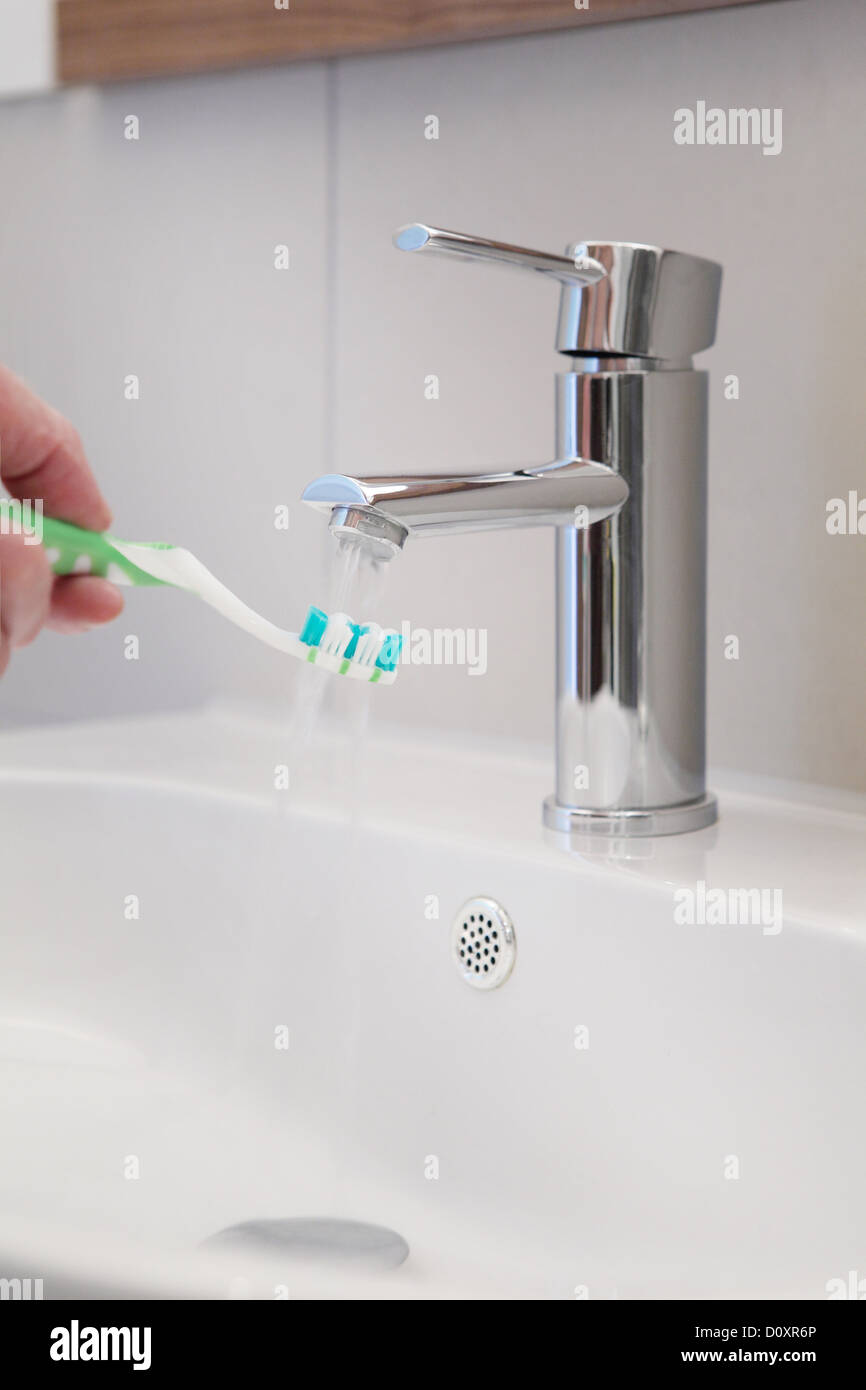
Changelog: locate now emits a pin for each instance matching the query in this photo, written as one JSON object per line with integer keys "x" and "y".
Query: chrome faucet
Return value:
{"x": 626, "y": 492}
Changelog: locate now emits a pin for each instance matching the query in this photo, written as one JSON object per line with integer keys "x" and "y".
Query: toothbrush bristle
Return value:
{"x": 314, "y": 626}
{"x": 392, "y": 643}
{"x": 366, "y": 646}
{"x": 338, "y": 634}
{"x": 369, "y": 644}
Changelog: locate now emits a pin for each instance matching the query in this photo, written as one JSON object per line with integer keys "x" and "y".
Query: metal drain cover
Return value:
{"x": 316, "y": 1239}
{"x": 483, "y": 944}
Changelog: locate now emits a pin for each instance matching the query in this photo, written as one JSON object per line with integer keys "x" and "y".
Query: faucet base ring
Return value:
{"x": 650, "y": 820}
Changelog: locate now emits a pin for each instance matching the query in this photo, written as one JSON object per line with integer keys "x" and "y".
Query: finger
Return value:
{"x": 42, "y": 457}
{"x": 25, "y": 589}
{"x": 79, "y": 603}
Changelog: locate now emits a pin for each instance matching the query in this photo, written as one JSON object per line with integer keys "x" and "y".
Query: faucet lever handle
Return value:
{"x": 577, "y": 269}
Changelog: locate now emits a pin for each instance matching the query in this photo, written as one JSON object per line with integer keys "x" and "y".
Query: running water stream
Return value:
{"x": 356, "y": 585}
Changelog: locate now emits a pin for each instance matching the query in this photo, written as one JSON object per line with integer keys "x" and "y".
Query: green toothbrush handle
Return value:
{"x": 73, "y": 550}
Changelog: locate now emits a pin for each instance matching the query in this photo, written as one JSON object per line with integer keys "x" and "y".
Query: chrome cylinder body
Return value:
{"x": 631, "y": 604}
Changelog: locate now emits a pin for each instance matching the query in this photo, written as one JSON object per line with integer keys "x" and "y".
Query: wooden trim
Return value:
{"x": 110, "y": 40}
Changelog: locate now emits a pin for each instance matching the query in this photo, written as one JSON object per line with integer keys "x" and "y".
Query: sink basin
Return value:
{"x": 221, "y": 1002}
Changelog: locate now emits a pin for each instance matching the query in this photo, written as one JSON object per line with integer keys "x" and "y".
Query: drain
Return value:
{"x": 483, "y": 945}
{"x": 316, "y": 1239}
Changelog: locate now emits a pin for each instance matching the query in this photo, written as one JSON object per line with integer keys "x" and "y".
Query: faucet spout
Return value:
{"x": 567, "y": 492}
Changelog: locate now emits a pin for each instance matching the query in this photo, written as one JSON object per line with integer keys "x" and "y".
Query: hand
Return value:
{"x": 42, "y": 458}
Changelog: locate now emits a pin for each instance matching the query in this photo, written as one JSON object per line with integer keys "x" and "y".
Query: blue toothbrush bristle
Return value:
{"x": 314, "y": 627}
{"x": 390, "y": 653}
{"x": 353, "y": 640}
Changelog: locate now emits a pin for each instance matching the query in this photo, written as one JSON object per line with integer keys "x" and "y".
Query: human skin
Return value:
{"x": 42, "y": 459}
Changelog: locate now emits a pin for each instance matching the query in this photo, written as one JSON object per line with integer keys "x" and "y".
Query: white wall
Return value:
{"x": 156, "y": 258}
{"x": 26, "y": 46}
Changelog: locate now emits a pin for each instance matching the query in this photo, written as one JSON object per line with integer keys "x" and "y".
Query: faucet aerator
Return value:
{"x": 381, "y": 535}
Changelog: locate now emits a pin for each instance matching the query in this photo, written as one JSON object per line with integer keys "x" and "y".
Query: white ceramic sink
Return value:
{"x": 607, "y": 1170}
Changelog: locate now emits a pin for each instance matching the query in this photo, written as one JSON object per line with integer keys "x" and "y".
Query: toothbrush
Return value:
{"x": 364, "y": 652}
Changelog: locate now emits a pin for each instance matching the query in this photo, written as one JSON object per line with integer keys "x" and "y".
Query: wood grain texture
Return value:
{"x": 108, "y": 40}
